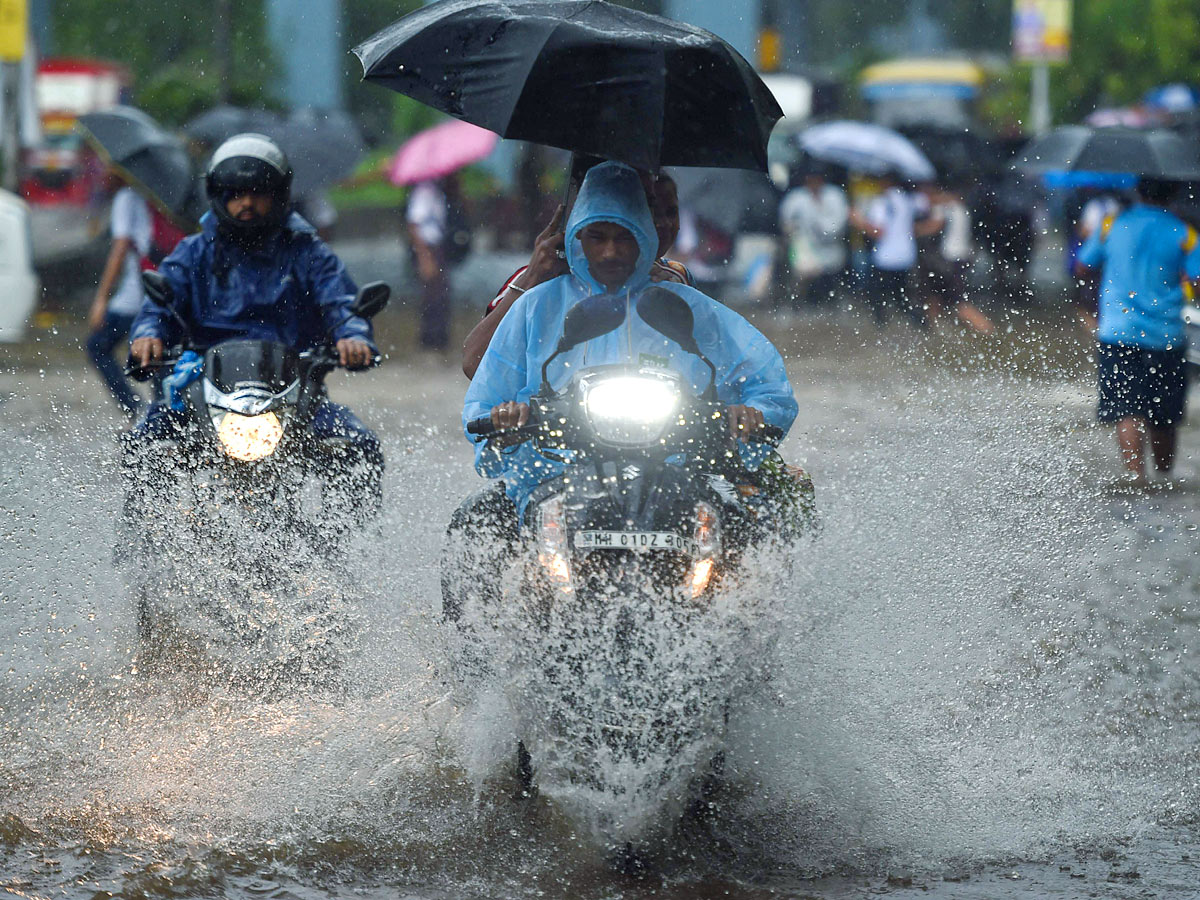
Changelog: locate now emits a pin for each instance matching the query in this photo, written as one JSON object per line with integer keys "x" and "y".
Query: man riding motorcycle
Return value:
{"x": 257, "y": 270}
{"x": 611, "y": 246}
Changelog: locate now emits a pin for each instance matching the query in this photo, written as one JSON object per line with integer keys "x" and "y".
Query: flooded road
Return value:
{"x": 988, "y": 679}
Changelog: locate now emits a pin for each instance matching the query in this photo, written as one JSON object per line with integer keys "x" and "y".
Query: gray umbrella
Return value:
{"x": 146, "y": 156}
{"x": 1079, "y": 148}
{"x": 323, "y": 146}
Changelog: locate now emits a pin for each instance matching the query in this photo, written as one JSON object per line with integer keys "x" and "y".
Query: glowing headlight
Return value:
{"x": 630, "y": 409}
{"x": 249, "y": 438}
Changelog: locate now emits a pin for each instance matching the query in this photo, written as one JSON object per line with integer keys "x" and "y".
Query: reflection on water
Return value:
{"x": 987, "y": 683}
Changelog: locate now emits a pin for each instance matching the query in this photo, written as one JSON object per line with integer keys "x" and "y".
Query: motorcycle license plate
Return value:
{"x": 635, "y": 540}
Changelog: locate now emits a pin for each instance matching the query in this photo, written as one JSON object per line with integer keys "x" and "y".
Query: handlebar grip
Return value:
{"x": 481, "y": 426}
{"x": 772, "y": 434}
{"x": 143, "y": 373}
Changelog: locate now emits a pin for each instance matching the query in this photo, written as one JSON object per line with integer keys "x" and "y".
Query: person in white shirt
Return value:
{"x": 119, "y": 295}
{"x": 813, "y": 216}
{"x": 427, "y": 214}
{"x": 893, "y": 221}
{"x": 946, "y": 260}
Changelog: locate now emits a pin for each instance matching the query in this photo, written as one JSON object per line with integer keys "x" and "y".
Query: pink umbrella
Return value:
{"x": 439, "y": 151}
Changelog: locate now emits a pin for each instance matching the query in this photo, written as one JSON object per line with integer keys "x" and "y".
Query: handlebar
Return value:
{"x": 483, "y": 427}
{"x": 320, "y": 356}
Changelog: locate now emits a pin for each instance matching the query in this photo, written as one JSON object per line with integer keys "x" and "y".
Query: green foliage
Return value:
{"x": 1120, "y": 50}
{"x": 169, "y": 50}
{"x": 374, "y": 106}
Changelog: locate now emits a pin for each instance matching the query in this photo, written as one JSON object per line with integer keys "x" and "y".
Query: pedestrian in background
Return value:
{"x": 429, "y": 231}
{"x": 891, "y": 224}
{"x": 1145, "y": 257}
{"x": 946, "y": 260}
{"x": 813, "y": 215}
{"x": 119, "y": 295}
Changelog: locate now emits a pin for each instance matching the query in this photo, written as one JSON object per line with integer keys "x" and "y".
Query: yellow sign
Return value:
{"x": 13, "y": 27}
{"x": 770, "y": 50}
{"x": 1041, "y": 30}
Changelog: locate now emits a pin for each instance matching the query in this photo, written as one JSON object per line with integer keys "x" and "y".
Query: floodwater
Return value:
{"x": 987, "y": 681}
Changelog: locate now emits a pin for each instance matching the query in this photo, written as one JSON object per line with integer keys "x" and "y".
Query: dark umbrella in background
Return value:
{"x": 734, "y": 201}
{"x": 322, "y": 146}
{"x": 1078, "y": 148}
{"x": 151, "y": 160}
{"x": 583, "y": 75}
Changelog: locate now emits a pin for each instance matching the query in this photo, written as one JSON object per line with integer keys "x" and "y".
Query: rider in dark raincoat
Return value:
{"x": 258, "y": 270}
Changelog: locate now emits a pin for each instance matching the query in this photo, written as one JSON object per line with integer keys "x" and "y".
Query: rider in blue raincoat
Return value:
{"x": 257, "y": 270}
{"x": 611, "y": 245}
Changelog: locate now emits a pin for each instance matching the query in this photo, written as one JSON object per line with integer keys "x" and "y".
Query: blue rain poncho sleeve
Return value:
{"x": 750, "y": 370}
{"x": 501, "y": 377}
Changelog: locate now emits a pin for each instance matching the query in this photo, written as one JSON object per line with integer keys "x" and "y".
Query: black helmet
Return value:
{"x": 249, "y": 163}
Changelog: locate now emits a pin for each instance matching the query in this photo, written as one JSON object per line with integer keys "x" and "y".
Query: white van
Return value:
{"x": 19, "y": 284}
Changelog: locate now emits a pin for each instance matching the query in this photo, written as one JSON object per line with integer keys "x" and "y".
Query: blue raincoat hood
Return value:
{"x": 612, "y": 192}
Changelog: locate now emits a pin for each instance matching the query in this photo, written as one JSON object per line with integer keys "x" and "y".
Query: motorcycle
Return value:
{"x": 240, "y": 480}
{"x": 617, "y": 614}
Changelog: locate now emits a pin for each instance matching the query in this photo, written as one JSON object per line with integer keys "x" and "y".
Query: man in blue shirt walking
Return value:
{"x": 1146, "y": 256}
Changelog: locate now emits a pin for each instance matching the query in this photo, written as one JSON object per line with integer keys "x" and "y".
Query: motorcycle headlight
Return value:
{"x": 630, "y": 409}
{"x": 248, "y": 438}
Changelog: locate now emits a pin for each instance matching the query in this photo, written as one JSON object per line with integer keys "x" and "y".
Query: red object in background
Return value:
{"x": 164, "y": 237}
{"x": 62, "y": 170}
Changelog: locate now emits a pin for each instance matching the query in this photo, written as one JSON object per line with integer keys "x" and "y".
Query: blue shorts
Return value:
{"x": 1136, "y": 383}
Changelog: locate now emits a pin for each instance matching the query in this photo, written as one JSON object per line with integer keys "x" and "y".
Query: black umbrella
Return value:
{"x": 154, "y": 162}
{"x": 735, "y": 202}
{"x": 322, "y": 146}
{"x": 584, "y": 75}
{"x": 1079, "y": 148}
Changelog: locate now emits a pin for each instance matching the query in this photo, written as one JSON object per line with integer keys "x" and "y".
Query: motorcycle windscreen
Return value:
{"x": 244, "y": 363}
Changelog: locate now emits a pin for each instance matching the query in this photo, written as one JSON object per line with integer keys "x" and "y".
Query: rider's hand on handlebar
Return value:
{"x": 744, "y": 421}
{"x": 146, "y": 350}
{"x": 509, "y": 415}
{"x": 354, "y": 354}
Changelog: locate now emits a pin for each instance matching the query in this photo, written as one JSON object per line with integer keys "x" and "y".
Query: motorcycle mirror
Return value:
{"x": 158, "y": 289}
{"x": 371, "y": 299}
{"x": 590, "y": 319}
{"x": 669, "y": 314}
{"x": 587, "y": 319}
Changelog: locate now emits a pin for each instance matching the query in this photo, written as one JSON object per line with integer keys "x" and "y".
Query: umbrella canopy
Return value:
{"x": 584, "y": 75}
{"x": 1078, "y": 148}
{"x": 870, "y": 149}
{"x": 440, "y": 150}
{"x": 735, "y": 202}
{"x": 322, "y": 146}
{"x": 154, "y": 162}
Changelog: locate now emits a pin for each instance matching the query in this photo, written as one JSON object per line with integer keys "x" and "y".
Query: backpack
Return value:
{"x": 456, "y": 245}
{"x": 164, "y": 236}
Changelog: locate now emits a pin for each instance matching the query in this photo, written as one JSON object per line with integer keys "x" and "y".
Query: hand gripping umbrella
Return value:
{"x": 583, "y": 75}
{"x": 151, "y": 160}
